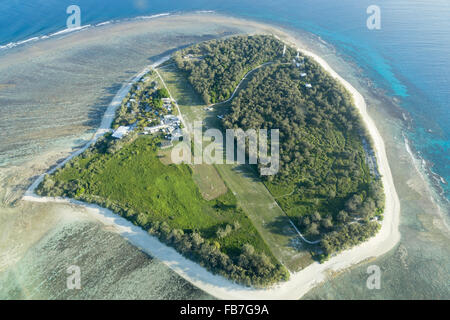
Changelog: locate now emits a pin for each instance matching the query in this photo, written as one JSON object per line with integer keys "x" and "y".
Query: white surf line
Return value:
{"x": 300, "y": 282}
{"x": 105, "y": 126}
{"x": 80, "y": 28}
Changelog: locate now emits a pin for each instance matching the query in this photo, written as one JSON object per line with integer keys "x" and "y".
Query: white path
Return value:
{"x": 105, "y": 125}
{"x": 300, "y": 282}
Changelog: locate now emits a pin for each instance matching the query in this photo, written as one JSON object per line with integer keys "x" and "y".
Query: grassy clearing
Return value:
{"x": 164, "y": 155}
{"x": 164, "y": 200}
{"x": 134, "y": 179}
{"x": 208, "y": 181}
{"x": 266, "y": 215}
{"x": 205, "y": 176}
{"x": 252, "y": 196}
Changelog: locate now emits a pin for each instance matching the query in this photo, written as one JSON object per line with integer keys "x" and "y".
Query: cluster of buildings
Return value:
{"x": 160, "y": 120}
{"x": 299, "y": 62}
{"x": 170, "y": 125}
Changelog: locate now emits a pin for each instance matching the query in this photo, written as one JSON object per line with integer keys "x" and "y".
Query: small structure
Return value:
{"x": 169, "y": 129}
{"x": 308, "y": 85}
{"x": 155, "y": 129}
{"x": 172, "y": 120}
{"x": 302, "y": 74}
{"x": 165, "y": 144}
{"x": 121, "y": 132}
{"x": 220, "y": 116}
{"x": 176, "y": 134}
{"x": 166, "y": 100}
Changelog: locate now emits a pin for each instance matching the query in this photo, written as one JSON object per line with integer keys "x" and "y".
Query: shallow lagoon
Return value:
{"x": 54, "y": 93}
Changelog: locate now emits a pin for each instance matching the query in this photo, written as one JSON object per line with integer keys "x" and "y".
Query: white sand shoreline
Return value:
{"x": 104, "y": 127}
{"x": 300, "y": 282}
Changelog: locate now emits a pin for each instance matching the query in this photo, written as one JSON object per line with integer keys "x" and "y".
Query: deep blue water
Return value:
{"x": 409, "y": 57}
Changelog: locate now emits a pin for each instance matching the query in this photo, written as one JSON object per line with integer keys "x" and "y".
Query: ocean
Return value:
{"x": 405, "y": 63}
{"x": 408, "y": 57}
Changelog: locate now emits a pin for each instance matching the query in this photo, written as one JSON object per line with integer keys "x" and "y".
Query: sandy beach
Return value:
{"x": 105, "y": 125}
{"x": 300, "y": 282}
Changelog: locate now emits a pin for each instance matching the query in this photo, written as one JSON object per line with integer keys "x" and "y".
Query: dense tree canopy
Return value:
{"x": 165, "y": 201}
{"x": 214, "y": 68}
{"x": 324, "y": 183}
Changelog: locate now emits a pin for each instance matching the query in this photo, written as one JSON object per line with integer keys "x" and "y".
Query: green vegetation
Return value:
{"x": 324, "y": 183}
{"x": 215, "y": 67}
{"x": 143, "y": 105}
{"x": 252, "y": 195}
{"x": 208, "y": 181}
{"x": 164, "y": 200}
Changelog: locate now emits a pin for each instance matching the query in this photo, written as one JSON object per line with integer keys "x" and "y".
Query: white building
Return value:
{"x": 170, "y": 119}
{"x": 176, "y": 134}
{"x": 308, "y": 85}
{"x": 302, "y": 74}
{"x": 121, "y": 132}
{"x": 155, "y": 129}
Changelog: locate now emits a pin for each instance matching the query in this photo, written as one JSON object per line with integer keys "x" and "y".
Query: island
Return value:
{"x": 229, "y": 219}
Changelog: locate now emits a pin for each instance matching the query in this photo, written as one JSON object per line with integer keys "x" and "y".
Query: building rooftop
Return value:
{"x": 121, "y": 132}
{"x": 165, "y": 144}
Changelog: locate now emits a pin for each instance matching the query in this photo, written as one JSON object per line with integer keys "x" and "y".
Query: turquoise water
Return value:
{"x": 408, "y": 57}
